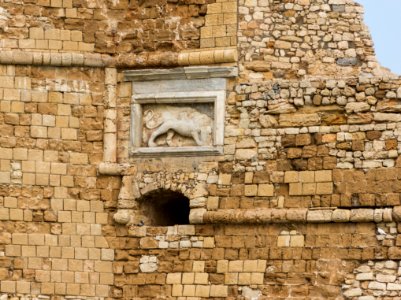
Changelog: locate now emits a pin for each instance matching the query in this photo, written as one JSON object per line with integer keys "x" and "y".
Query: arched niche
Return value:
{"x": 163, "y": 207}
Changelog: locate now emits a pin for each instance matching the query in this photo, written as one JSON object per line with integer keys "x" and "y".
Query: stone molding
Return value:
{"x": 294, "y": 215}
{"x": 163, "y": 59}
{"x": 208, "y": 56}
{"x": 184, "y": 73}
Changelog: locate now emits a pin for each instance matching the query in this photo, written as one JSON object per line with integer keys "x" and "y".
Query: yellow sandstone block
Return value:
{"x": 36, "y": 33}
{"x": 251, "y": 189}
{"x": 207, "y": 42}
{"x": 223, "y": 41}
{"x": 266, "y": 190}
{"x": 214, "y": 8}
{"x": 65, "y": 35}
{"x": 218, "y": 291}
{"x": 55, "y": 45}
{"x": 202, "y": 291}
{"x": 56, "y": 3}
{"x": 87, "y": 47}
{"x": 26, "y": 44}
{"x": 52, "y": 34}
{"x": 229, "y": 7}
{"x": 76, "y": 36}
{"x": 177, "y": 290}
{"x": 23, "y": 287}
{"x": 231, "y": 278}
{"x": 173, "y": 278}
{"x": 8, "y": 286}
{"x": 189, "y": 290}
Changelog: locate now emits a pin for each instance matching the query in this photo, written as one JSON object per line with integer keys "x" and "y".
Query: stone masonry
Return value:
{"x": 301, "y": 200}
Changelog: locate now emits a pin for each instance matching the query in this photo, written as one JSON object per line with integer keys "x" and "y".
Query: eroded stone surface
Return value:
{"x": 303, "y": 195}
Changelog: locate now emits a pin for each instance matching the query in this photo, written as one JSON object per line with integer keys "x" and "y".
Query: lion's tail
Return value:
{"x": 149, "y": 114}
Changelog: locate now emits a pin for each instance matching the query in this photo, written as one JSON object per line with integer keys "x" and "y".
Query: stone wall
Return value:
{"x": 302, "y": 203}
{"x": 111, "y": 27}
{"x": 294, "y": 39}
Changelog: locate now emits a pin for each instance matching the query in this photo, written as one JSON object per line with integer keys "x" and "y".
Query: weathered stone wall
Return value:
{"x": 53, "y": 204}
{"x": 111, "y": 27}
{"x": 294, "y": 39}
{"x": 303, "y": 202}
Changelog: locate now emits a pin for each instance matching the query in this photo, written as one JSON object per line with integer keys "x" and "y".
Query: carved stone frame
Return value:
{"x": 192, "y": 85}
{"x": 215, "y": 97}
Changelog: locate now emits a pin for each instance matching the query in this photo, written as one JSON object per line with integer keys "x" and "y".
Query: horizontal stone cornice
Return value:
{"x": 144, "y": 60}
{"x": 295, "y": 215}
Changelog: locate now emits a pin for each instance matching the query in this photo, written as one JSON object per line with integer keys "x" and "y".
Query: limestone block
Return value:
{"x": 307, "y": 176}
{"x": 361, "y": 215}
{"x": 353, "y": 292}
{"x": 297, "y": 241}
{"x": 385, "y": 277}
{"x": 186, "y": 229}
{"x": 388, "y": 106}
{"x": 202, "y": 291}
{"x": 365, "y": 276}
{"x": 357, "y": 107}
{"x": 323, "y": 176}
{"x": 177, "y": 290}
{"x": 386, "y": 117}
{"x": 201, "y": 278}
{"x": 394, "y": 287}
{"x": 309, "y": 188}
{"x": 295, "y": 189}
{"x": 148, "y": 243}
{"x": 394, "y": 253}
{"x": 387, "y": 215}
{"x": 291, "y": 176}
{"x": 324, "y": 188}
{"x": 196, "y": 215}
{"x": 218, "y": 291}
{"x": 8, "y": 286}
{"x": 374, "y": 285}
{"x": 319, "y": 215}
{"x": 283, "y": 241}
{"x": 250, "y": 190}
{"x": 293, "y": 120}
{"x": 265, "y": 190}
{"x": 341, "y": 215}
{"x": 298, "y": 215}
{"x": 188, "y": 278}
{"x": 148, "y": 263}
{"x": 189, "y": 290}
{"x": 235, "y": 266}
{"x": 397, "y": 213}
{"x": 245, "y": 154}
{"x": 224, "y": 179}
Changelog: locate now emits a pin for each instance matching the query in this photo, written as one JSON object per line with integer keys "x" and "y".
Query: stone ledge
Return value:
{"x": 207, "y": 56}
{"x": 178, "y": 151}
{"x": 112, "y": 169}
{"x": 181, "y": 73}
{"x": 162, "y": 59}
{"x": 294, "y": 215}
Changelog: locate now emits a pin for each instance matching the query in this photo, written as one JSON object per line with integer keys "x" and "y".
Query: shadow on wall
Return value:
{"x": 163, "y": 207}
{"x": 382, "y": 18}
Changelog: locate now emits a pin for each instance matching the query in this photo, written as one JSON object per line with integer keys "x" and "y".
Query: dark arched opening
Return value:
{"x": 164, "y": 208}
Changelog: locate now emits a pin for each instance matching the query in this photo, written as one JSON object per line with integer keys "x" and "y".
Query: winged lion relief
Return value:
{"x": 176, "y": 126}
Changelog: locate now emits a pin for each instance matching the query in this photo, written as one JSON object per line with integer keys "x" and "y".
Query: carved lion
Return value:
{"x": 184, "y": 121}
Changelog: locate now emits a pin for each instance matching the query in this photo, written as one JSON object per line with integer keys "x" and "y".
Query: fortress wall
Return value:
{"x": 303, "y": 202}
{"x": 304, "y": 38}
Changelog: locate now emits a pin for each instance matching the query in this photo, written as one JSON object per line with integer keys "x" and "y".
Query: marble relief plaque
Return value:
{"x": 177, "y": 125}
{"x": 183, "y": 123}
{"x": 178, "y": 111}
